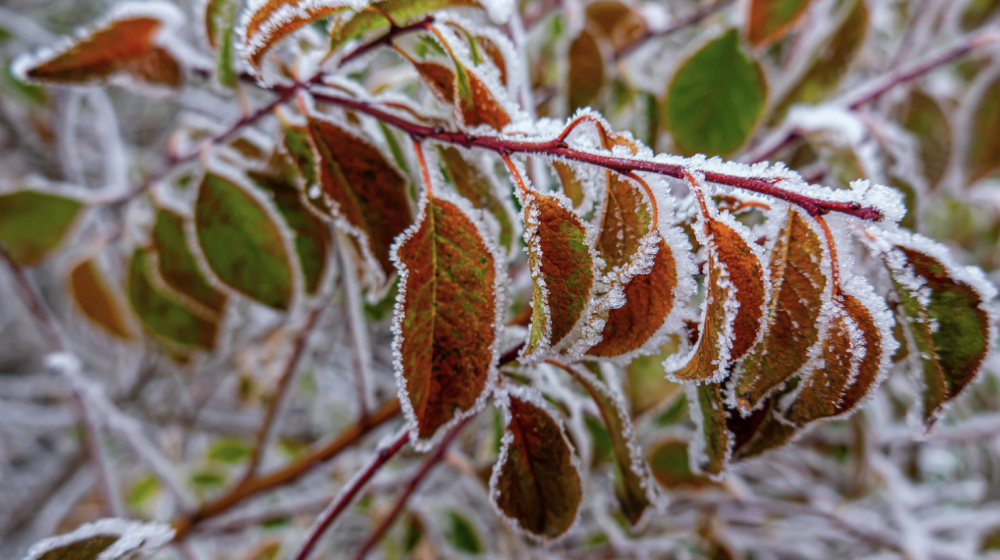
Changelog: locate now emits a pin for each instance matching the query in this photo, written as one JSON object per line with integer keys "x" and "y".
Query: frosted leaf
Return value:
{"x": 106, "y": 539}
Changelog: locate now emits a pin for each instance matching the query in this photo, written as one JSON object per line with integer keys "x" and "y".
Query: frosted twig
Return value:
{"x": 278, "y": 395}
{"x": 429, "y": 463}
{"x": 359, "y": 330}
{"x": 348, "y": 493}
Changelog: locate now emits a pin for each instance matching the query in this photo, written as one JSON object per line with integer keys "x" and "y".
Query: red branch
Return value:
{"x": 557, "y": 148}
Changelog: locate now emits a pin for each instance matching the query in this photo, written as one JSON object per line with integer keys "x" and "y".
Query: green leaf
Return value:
{"x": 34, "y": 223}
{"x": 770, "y": 20}
{"x": 671, "y": 465}
{"x": 162, "y": 313}
{"x": 88, "y": 549}
{"x": 716, "y": 98}
{"x": 925, "y": 118}
{"x": 132, "y": 540}
{"x": 830, "y": 64}
{"x": 312, "y": 237}
{"x": 977, "y": 12}
{"x": 712, "y": 448}
{"x": 647, "y": 387}
{"x": 207, "y": 479}
{"x": 477, "y": 184}
{"x": 143, "y": 489}
{"x": 535, "y": 483}
{"x": 462, "y": 534}
{"x": 224, "y": 12}
{"x": 178, "y": 266}
{"x": 229, "y": 451}
{"x": 401, "y": 11}
{"x": 633, "y": 485}
{"x": 446, "y": 316}
{"x": 983, "y": 155}
{"x": 946, "y": 308}
{"x": 241, "y": 241}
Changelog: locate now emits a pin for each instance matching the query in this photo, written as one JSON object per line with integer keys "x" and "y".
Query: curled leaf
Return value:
{"x": 736, "y": 293}
{"x": 129, "y": 43}
{"x": 446, "y": 316}
{"x": 96, "y": 299}
{"x": 34, "y": 223}
{"x": 241, "y": 241}
{"x": 535, "y": 482}
{"x": 367, "y": 194}
{"x": 562, "y": 269}
{"x": 266, "y": 22}
{"x": 799, "y": 270}
{"x": 946, "y": 308}
{"x": 633, "y": 485}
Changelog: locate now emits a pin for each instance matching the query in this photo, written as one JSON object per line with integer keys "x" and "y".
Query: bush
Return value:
{"x": 441, "y": 278}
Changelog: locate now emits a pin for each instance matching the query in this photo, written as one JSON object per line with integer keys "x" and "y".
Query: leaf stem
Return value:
{"x": 411, "y": 487}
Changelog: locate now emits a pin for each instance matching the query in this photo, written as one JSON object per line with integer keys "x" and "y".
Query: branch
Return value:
{"x": 557, "y": 148}
{"x": 693, "y": 18}
{"x": 46, "y": 326}
{"x": 274, "y": 403}
{"x": 386, "y": 39}
{"x": 347, "y": 495}
{"x": 429, "y": 463}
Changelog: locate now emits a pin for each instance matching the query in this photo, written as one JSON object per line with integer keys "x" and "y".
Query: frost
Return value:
{"x": 135, "y": 539}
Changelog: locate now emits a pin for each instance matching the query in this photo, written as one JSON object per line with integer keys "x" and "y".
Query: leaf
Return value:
{"x": 977, "y": 12}
{"x": 712, "y": 447}
{"x": 95, "y": 298}
{"x": 848, "y": 366}
{"x": 477, "y": 105}
{"x": 562, "y": 269}
{"x": 619, "y": 22}
{"x": 107, "y": 539}
{"x": 799, "y": 269}
{"x": 671, "y": 465}
{"x": 771, "y": 20}
{"x": 761, "y": 431}
{"x": 491, "y": 46}
{"x": 928, "y": 122}
{"x": 535, "y": 482}
{"x": 647, "y": 387}
{"x": 633, "y": 485}
{"x": 220, "y": 24}
{"x": 34, "y": 223}
{"x": 476, "y": 184}
{"x": 241, "y": 241}
{"x": 312, "y": 238}
{"x": 446, "y": 316}
{"x": 737, "y": 289}
{"x": 830, "y": 64}
{"x": 572, "y": 184}
{"x": 229, "y": 451}
{"x": 715, "y": 98}
{"x": 143, "y": 489}
{"x": 983, "y": 154}
{"x": 178, "y": 266}
{"x": 947, "y": 311}
{"x": 163, "y": 314}
{"x": 127, "y": 43}
{"x": 439, "y": 78}
{"x": 266, "y": 22}
{"x": 586, "y": 71}
{"x": 401, "y": 11}
{"x": 627, "y": 219}
{"x": 367, "y": 193}
{"x": 462, "y": 534}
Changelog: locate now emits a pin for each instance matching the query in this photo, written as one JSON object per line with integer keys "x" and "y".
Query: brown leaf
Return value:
{"x": 439, "y": 78}
{"x": 799, "y": 269}
{"x": 733, "y": 310}
{"x": 586, "y": 70}
{"x": 126, "y": 43}
{"x": 446, "y": 316}
{"x": 771, "y": 20}
{"x": 571, "y": 183}
{"x": 267, "y": 22}
{"x": 535, "y": 483}
{"x": 983, "y": 154}
{"x": 368, "y": 195}
{"x": 95, "y": 298}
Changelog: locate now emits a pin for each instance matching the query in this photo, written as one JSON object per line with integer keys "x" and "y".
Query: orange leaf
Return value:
{"x": 266, "y": 22}
{"x": 446, "y": 316}
{"x": 97, "y": 301}
{"x": 127, "y": 43}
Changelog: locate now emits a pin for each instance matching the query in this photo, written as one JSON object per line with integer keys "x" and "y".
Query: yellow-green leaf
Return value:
{"x": 177, "y": 264}
{"x": 162, "y": 313}
{"x": 34, "y": 223}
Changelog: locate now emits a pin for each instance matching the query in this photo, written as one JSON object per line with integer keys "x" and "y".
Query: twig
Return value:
{"x": 347, "y": 495}
{"x": 359, "y": 332}
{"x": 556, "y": 148}
{"x": 691, "y": 19}
{"x": 386, "y": 39}
{"x": 46, "y": 326}
{"x": 278, "y": 396}
{"x": 411, "y": 487}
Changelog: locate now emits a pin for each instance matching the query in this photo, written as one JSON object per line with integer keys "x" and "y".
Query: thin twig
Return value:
{"x": 46, "y": 326}
{"x": 347, "y": 495}
{"x": 362, "y": 355}
{"x": 278, "y": 396}
{"x": 411, "y": 487}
